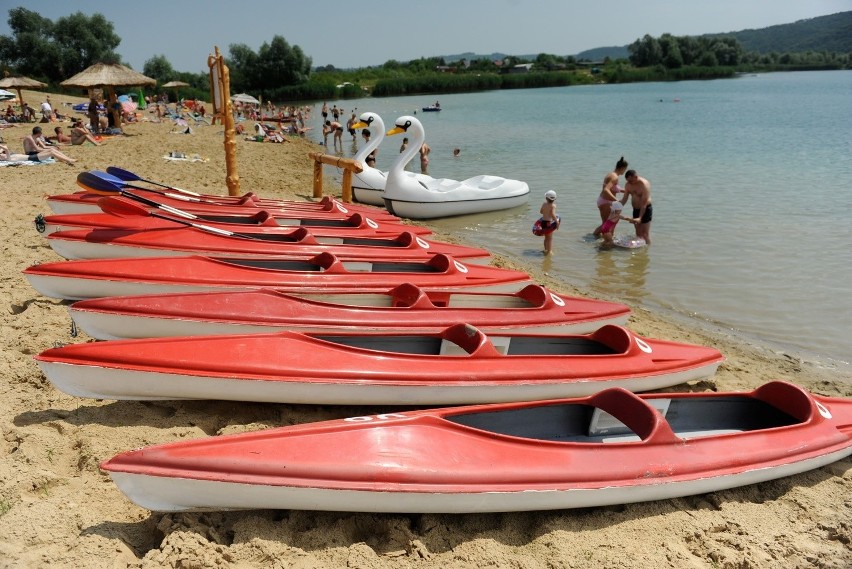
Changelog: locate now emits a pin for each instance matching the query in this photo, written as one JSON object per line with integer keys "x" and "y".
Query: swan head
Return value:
{"x": 404, "y": 124}
{"x": 368, "y": 120}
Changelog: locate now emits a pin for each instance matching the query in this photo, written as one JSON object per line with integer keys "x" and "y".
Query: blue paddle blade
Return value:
{"x": 90, "y": 181}
{"x": 129, "y": 176}
{"x": 123, "y": 174}
{"x": 109, "y": 177}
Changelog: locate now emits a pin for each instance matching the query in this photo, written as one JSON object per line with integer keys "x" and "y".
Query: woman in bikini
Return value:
{"x": 609, "y": 191}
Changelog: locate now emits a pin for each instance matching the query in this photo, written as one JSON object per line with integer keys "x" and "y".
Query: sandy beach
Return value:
{"x": 57, "y": 509}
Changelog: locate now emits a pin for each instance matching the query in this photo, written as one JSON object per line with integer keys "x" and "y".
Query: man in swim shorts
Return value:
{"x": 639, "y": 191}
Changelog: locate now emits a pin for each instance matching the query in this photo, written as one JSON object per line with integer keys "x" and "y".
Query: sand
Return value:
{"x": 58, "y": 510}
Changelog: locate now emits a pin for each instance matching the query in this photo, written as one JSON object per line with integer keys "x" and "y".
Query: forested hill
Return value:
{"x": 826, "y": 33}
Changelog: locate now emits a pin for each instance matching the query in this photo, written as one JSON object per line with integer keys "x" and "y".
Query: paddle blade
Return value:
{"x": 122, "y": 208}
{"x": 123, "y": 174}
{"x": 129, "y": 176}
{"x": 95, "y": 184}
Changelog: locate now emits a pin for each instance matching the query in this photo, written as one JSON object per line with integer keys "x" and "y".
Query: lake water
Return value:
{"x": 752, "y": 229}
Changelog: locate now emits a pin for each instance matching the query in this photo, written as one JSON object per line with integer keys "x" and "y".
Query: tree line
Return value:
{"x": 54, "y": 51}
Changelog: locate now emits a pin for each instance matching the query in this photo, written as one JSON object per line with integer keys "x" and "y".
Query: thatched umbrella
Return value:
{"x": 18, "y": 83}
{"x": 109, "y": 75}
{"x": 175, "y": 85}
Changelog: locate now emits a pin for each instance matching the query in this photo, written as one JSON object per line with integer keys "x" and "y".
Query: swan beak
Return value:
{"x": 394, "y": 131}
{"x": 359, "y": 124}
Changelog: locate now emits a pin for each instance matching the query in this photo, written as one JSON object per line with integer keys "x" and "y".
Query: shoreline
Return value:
{"x": 58, "y": 509}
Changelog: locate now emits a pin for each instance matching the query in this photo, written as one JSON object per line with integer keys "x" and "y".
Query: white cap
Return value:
{"x": 550, "y": 195}
{"x": 617, "y": 206}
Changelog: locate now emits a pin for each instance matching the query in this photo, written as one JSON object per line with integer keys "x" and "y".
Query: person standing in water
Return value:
{"x": 549, "y": 220}
{"x": 609, "y": 192}
{"x": 639, "y": 191}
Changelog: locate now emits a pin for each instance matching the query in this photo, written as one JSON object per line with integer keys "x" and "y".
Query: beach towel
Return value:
{"x": 182, "y": 157}
{"x": 26, "y": 162}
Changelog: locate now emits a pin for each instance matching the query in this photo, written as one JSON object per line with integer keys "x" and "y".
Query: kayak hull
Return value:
{"x": 94, "y": 278}
{"x": 457, "y": 365}
{"x": 533, "y": 309}
{"x": 186, "y": 241}
{"x": 610, "y": 448}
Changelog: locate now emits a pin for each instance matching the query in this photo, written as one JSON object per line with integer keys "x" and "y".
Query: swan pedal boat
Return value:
{"x": 94, "y": 278}
{"x": 368, "y": 186}
{"x": 185, "y": 241}
{"x": 533, "y": 309}
{"x": 411, "y": 198}
{"x": 262, "y": 222}
{"x": 614, "y": 447}
{"x": 457, "y": 365}
{"x": 87, "y": 202}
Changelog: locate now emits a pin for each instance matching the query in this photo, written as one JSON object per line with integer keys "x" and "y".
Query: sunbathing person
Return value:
{"x": 37, "y": 151}
{"x": 59, "y": 138}
{"x": 262, "y": 135}
{"x": 7, "y": 156}
{"x": 79, "y": 135}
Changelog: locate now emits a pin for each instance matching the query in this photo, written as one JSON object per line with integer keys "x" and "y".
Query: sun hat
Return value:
{"x": 617, "y": 205}
{"x": 550, "y": 195}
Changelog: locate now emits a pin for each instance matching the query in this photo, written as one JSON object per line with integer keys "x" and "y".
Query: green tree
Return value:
{"x": 242, "y": 62}
{"x": 280, "y": 65}
{"x": 85, "y": 40}
{"x": 159, "y": 68}
{"x": 645, "y": 52}
{"x": 55, "y": 51}
{"x": 670, "y": 48}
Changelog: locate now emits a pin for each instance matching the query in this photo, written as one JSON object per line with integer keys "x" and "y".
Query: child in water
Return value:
{"x": 607, "y": 228}
{"x": 549, "y": 221}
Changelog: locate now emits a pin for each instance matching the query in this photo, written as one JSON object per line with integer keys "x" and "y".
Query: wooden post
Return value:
{"x": 318, "y": 179}
{"x": 346, "y": 190}
{"x": 349, "y": 166}
{"x": 221, "y": 75}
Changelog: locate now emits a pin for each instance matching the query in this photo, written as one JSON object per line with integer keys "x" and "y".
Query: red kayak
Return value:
{"x": 262, "y": 221}
{"x": 93, "y": 278}
{"x": 534, "y": 309}
{"x": 456, "y": 365}
{"x": 87, "y": 202}
{"x": 614, "y": 447}
{"x": 184, "y": 241}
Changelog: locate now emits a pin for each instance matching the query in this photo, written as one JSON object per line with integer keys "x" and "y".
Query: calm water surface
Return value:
{"x": 750, "y": 182}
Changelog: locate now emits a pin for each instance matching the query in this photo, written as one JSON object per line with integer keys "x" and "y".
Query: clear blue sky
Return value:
{"x": 370, "y": 32}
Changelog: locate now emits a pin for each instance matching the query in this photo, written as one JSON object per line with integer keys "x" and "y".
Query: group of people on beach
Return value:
{"x": 610, "y": 206}
{"x": 36, "y": 149}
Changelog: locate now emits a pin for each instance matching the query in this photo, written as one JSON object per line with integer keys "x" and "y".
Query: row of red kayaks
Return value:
{"x": 246, "y": 299}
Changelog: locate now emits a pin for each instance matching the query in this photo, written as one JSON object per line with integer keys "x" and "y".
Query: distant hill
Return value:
{"x": 831, "y": 33}
{"x": 600, "y": 53}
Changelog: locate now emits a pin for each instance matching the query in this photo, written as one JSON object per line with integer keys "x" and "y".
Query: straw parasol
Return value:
{"x": 18, "y": 83}
{"x": 243, "y": 98}
{"x": 175, "y": 85}
{"x": 109, "y": 75}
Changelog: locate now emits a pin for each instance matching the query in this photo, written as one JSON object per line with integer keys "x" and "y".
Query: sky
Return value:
{"x": 349, "y": 34}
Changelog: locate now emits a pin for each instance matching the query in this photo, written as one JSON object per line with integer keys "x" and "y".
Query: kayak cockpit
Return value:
{"x": 618, "y": 416}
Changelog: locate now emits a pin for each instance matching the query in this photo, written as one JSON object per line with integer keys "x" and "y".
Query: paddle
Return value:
{"x": 122, "y": 183}
{"x": 129, "y": 176}
{"x": 122, "y": 208}
{"x": 97, "y": 184}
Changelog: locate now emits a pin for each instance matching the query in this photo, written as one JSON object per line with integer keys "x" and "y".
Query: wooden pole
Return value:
{"x": 318, "y": 179}
{"x": 349, "y": 166}
{"x": 232, "y": 177}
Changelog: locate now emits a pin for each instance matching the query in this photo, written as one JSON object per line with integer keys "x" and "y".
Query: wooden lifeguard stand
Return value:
{"x": 348, "y": 164}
